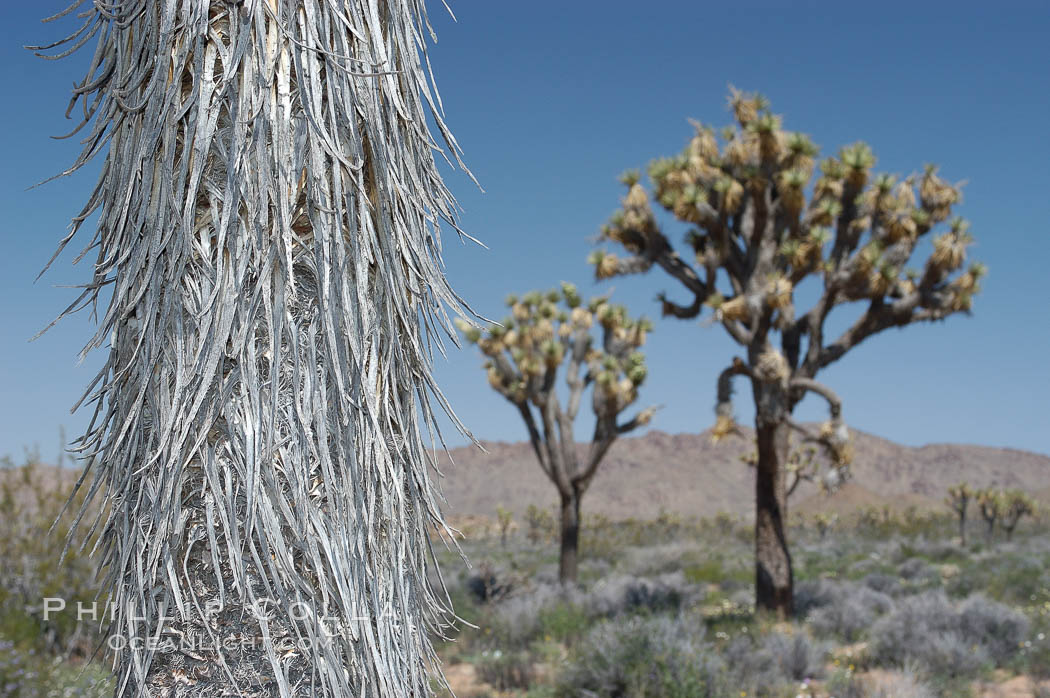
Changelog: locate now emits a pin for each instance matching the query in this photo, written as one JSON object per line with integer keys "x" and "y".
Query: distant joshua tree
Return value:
{"x": 1016, "y": 505}
{"x": 824, "y": 521}
{"x": 990, "y": 503}
{"x": 958, "y": 499}
{"x": 540, "y": 523}
{"x": 505, "y": 519}
{"x": 756, "y": 234}
{"x": 268, "y": 239}
{"x": 525, "y": 353}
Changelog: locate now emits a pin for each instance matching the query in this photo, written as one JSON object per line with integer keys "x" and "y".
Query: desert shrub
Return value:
{"x": 619, "y": 593}
{"x": 760, "y": 665}
{"x": 564, "y": 621}
{"x": 488, "y": 583}
{"x": 38, "y": 656}
{"x": 1033, "y": 657}
{"x": 565, "y": 613}
{"x": 812, "y": 594}
{"x": 917, "y": 571}
{"x": 864, "y": 566}
{"x": 882, "y": 582}
{"x": 31, "y": 498}
{"x": 1000, "y": 628}
{"x": 522, "y": 616}
{"x": 743, "y": 598}
{"x": 644, "y": 657}
{"x": 846, "y": 684}
{"x": 27, "y": 673}
{"x": 796, "y": 655}
{"x": 660, "y": 558}
{"x": 928, "y": 631}
{"x": 1014, "y": 578}
{"x": 505, "y": 670}
{"x": 906, "y": 634}
{"x": 708, "y": 571}
{"x": 591, "y": 568}
{"x": 850, "y": 612}
{"x": 940, "y": 550}
{"x": 820, "y": 593}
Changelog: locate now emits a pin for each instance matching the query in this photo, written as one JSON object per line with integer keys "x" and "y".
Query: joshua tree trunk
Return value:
{"x": 269, "y": 213}
{"x": 774, "y": 580}
{"x": 570, "y": 536}
{"x": 962, "y": 528}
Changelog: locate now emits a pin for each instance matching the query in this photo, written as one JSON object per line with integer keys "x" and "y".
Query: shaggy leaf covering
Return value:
{"x": 268, "y": 213}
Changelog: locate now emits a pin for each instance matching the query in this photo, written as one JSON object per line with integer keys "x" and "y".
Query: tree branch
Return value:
{"x": 876, "y": 318}
{"x": 604, "y": 435}
{"x": 682, "y": 312}
{"x": 810, "y": 385}
{"x": 737, "y": 331}
{"x": 673, "y": 264}
{"x": 639, "y": 420}
{"x": 725, "y": 379}
{"x": 581, "y": 342}
{"x": 534, "y": 437}
{"x": 560, "y": 477}
{"x": 567, "y": 441}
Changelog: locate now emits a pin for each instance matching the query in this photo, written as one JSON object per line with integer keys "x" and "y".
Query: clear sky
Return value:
{"x": 553, "y": 100}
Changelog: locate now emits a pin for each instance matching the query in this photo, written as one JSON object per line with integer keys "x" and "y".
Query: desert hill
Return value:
{"x": 689, "y": 475}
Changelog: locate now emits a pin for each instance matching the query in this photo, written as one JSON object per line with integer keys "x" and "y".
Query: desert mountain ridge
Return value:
{"x": 689, "y": 475}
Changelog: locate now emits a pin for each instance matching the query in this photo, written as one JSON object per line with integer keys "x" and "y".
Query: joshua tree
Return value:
{"x": 268, "y": 210}
{"x": 757, "y": 233}
{"x": 824, "y": 522}
{"x": 991, "y": 504}
{"x": 525, "y": 353}
{"x": 540, "y": 522}
{"x": 1016, "y": 504}
{"x": 958, "y": 500}
{"x": 505, "y": 518}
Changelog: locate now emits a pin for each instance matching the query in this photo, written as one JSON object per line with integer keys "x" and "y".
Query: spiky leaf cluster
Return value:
{"x": 764, "y": 215}
{"x": 959, "y": 497}
{"x": 545, "y": 330}
{"x": 1007, "y": 506}
{"x": 991, "y": 503}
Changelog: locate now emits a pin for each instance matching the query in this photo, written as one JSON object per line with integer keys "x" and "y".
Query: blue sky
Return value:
{"x": 551, "y": 101}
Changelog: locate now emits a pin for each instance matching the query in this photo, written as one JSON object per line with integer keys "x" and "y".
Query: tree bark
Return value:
{"x": 774, "y": 579}
{"x": 962, "y": 529}
{"x": 570, "y": 537}
{"x": 269, "y": 231}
